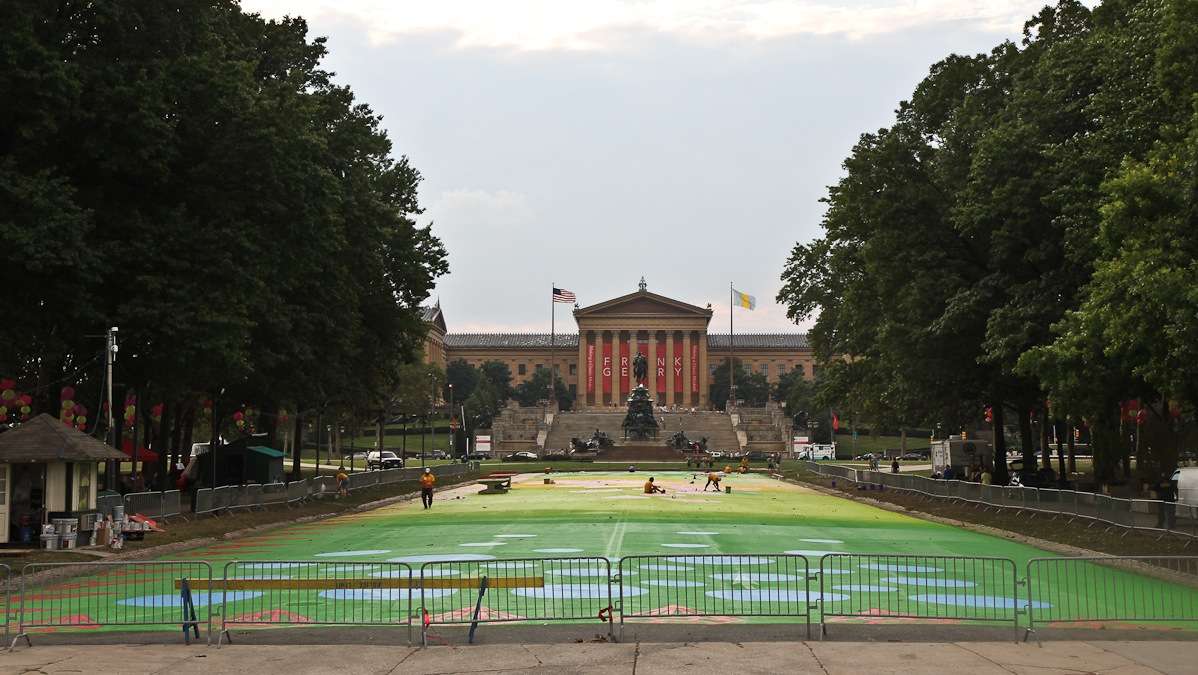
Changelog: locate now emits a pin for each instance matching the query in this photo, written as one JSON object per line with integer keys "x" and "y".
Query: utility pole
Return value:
{"x": 110, "y": 350}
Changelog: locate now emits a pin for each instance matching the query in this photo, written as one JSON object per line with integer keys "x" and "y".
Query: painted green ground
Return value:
{"x": 754, "y": 552}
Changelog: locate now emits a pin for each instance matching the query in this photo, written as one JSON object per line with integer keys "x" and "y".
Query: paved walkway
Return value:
{"x": 961, "y": 658}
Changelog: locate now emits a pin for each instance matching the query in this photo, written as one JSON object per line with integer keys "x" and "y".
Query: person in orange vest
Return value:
{"x": 713, "y": 478}
{"x": 342, "y": 482}
{"x": 427, "y": 481}
{"x": 651, "y": 487}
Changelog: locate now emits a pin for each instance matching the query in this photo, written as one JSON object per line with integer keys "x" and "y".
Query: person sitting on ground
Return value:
{"x": 651, "y": 487}
{"x": 713, "y": 478}
{"x": 342, "y": 482}
{"x": 894, "y": 466}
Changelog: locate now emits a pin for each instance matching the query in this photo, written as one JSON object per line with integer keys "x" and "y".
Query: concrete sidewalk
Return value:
{"x": 962, "y": 658}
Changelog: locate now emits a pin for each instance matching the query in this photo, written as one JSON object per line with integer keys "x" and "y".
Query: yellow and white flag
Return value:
{"x": 743, "y": 300}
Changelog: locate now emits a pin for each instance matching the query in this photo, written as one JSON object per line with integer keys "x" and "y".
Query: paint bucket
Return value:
{"x": 727, "y": 489}
{"x": 118, "y": 512}
{"x": 68, "y": 540}
{"x": 50, "y": 542}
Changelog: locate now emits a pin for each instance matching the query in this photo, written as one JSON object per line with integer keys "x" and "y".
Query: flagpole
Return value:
{"x": 552, "y": 343}
{"x": 731, "y": 352}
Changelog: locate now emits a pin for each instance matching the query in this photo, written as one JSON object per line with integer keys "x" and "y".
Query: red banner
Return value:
{"x": 591, "y": 368}
{"x": 677, "y": 365}
{"x": 625, "y": 367}
{"x": 605, "y": 369}
{"x": 694, "y": 367}
{"x": 661, "y": 366}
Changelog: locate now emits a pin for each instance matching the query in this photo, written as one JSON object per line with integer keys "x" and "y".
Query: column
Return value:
{"x": 651, "y": 381}
{"x": 704, "y": 372}
{"x": 670, "y": 368}
{"x": 615, "y": 368}
{"x": 580, "y": 372}
{"x": 686, "y": 369}
{"x": 631, "y": 355}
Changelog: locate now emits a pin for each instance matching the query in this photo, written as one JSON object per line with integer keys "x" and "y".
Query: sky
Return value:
{"x": 588, "y": 143}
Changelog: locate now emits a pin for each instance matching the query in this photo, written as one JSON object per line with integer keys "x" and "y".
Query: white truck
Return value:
{"x": 961, "y": 454}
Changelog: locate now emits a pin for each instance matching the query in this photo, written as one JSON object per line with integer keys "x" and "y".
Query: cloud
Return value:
{"x": 471, "y": 209}
{"x": 535, "y": 25}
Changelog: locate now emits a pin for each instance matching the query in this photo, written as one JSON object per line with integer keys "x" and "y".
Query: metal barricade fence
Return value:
{"x": 1111, "y": 588}
{"x": 6, "y": 599}
{"x": 919, "y": 587}
{"x": 148, "y": 504}
{"x": 303, "y": 592}
{"x": 655, "y": 586}
{"x": 274, "y": 493}
{"x": 117, "y": 594}
{"x": 104, "y": 504}
{"x": 297, "y": 491}
{"x": 172, "y": 503}
{"x": 519, "y": 589}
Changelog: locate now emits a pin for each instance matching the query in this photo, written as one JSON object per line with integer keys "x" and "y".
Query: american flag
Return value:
{"x": 562, "y": 295}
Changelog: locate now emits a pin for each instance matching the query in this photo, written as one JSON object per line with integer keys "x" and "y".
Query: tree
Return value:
{"x": 751, "y": 387}
{"x": 482, "y": 405}
{"x": 500, "y": 376}
{"x": 463, "y": 377}
{"x": 536, "y": 389}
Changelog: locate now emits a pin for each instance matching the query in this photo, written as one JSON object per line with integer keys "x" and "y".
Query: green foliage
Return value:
{"x": 463, "y": 377}
{"x": 536, "y": 389}
{"x": 188, "y": 172}
{"x": 500, "y": 376}
{"x": 1023, "y": 231}
{"x": 751, "y": 387}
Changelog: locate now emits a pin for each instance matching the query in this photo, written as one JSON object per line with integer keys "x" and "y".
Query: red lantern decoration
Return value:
{"x": 989, "y": 416}
{"x": 7, "y": 383}
{"x": 238, "y": 416}
{"x": 68, "y": 392}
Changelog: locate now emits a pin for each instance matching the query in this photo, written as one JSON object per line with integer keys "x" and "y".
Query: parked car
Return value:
{"x": 912, "y": 455}
{"x": 522, "y": 456}
{"x": 383, "y": 460}
{"x": 477, "y": 457}
{"x": 864, "y": 458}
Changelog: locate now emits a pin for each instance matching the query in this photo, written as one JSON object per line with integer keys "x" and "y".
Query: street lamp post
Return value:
{"x": 449, "y": 446}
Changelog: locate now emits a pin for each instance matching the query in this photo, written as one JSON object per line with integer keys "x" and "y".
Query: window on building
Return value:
{"x": 800, "y": 370}
{"x": 781, "y": 369}
{"x": 521, "y": 369}
{"x": 573, "y": 369}
{"x": 712, "y": 368}
{"x": 540, "y": 366}
{"x": 573, "y": 390}
{"x": 814, "y": 372}
{"x": 765, "y": 369}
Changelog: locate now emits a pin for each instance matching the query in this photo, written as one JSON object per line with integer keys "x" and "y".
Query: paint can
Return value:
{"x": 50, "y": 542}
{"x": 727, "y": 489}
{"x": 68, "y": 540}
{"x": 118, "y": 512}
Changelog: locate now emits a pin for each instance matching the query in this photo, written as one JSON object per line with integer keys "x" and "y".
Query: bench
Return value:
{"x": 496, "y": 486}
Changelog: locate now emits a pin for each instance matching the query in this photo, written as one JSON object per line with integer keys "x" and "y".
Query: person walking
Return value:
{"x": 427, "y": 481}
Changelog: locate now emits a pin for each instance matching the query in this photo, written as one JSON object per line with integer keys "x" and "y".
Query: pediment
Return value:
{"x": 642, "y": 303}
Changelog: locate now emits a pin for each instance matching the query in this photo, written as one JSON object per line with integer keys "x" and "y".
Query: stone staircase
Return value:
{"x": 716, "y": 426}
{"x": 764, "y": 429}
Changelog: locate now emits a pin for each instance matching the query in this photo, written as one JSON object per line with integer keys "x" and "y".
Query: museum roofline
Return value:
{"x": 570, "y": 341}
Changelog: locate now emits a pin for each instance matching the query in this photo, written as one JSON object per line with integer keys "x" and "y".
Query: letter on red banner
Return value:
{"x": 679, "y": 376}
{"x": 605, "y": 370}
{"x": 694, "y": 368}
{"x": 591, "y": 368}
{"x": 625, "y": 367}
{"x": 661, "y": 369}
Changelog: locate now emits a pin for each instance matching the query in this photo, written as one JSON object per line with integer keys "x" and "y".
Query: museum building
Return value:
{"x": 596, "y": 361}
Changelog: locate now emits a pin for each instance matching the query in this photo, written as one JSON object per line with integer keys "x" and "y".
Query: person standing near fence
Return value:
{"x": 427, "y": 481}
{"x": 342, "y": 482}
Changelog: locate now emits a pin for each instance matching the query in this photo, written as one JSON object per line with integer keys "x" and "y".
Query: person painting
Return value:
{"x": 342, "y": 482}
{"x": 427, "y": 481}
{"x": 652, "y": 488}
{"x": 713, "y": 478}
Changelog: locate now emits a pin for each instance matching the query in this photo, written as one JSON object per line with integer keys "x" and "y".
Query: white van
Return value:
{"x": 1187, "y": 485}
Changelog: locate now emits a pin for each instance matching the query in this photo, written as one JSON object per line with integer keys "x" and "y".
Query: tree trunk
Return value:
{"x": 1045, "y": 449}
{"x": 380, "y": 430}
{"x": 1000, "y": 475}
{"x": 903, "y": 440}
{"x": 1069, "y": 430}
{"x": 162, "y": 445}
{"x": 1027, "y": 441}
{"x": 297, "y": 445}
{"x": 1059, "y": 427}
